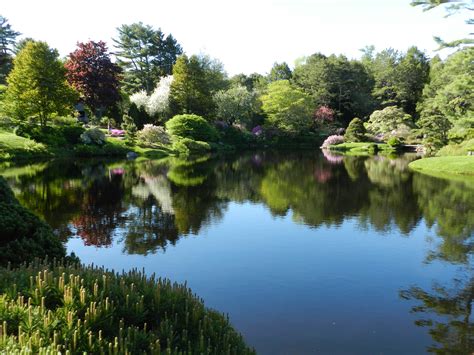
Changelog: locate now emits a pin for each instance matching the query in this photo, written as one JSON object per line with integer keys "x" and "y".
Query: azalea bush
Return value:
{"x": 117, "y": 133}
{"x": 151, "y": 134}
{"x": 333, "y": 140}
{"x": 93, "y": 136}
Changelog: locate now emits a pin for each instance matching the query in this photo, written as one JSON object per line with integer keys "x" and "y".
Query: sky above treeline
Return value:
{"x": 245, "y": 35}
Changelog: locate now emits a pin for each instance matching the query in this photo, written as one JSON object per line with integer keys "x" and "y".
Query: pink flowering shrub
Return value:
{"x": 333, "y": 140}
{"x": 324, "y": 114}
{"x": 257, "y": 131}
{"x": 117, "y": 133}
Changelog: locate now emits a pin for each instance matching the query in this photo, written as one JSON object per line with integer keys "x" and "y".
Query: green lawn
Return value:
{"x": 363, "y": 148}
{"x": 445, "y": 166}
{"x": 13, "y": 146}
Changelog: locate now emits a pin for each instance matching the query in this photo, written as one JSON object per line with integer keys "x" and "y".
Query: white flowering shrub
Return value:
{"x": 151, "y": 134}
{"x": 158, "y": 102}
{"x": 93, "y": 136}
{"x": 140, "y": 99}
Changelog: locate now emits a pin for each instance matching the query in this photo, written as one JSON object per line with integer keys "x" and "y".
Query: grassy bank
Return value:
{"x": 361, "y": 148}
{"x": 13, "y": 147}
{"x": 445, "y": 166}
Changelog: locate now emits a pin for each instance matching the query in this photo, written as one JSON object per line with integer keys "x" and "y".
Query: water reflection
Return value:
{"x": 157, "y": 202}
{"x": 150, "y": 205}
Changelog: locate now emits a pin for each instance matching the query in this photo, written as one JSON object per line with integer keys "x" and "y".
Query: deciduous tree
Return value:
{"x": 288, "y": 108}
{"x": 91, "y": 72}
{"x": 37, "y": 86}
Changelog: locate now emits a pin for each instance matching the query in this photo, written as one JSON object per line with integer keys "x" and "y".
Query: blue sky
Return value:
{"x": 246, "y": 35}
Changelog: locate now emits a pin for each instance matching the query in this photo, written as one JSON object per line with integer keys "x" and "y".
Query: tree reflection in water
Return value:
{"x": 152, "y": 204}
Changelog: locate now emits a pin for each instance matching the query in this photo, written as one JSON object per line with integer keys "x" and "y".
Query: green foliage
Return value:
{"x": 394, "y": 142}
{"x": 448, "y": 100}
{"x": 110, "y": 148}
{"x": 128, "y": 124}
{"x": 15, "y": 147}
{"x": 139, "y": 116}
{"x": 7, "y": 41}
{"x": 37, "y": 87}
{"x": 452, "y": 7}
{"x": 187, "y": 146}
{"x": 288, "y": 108}
{"x": 195, "y": 80}
{"x": 355, "y": 132}
{"x": 336, "y": 82}
{"x": 389, "y": 119}
{"x": 457, "y": 149}
{"x": 78, "y": 309}
{"x": 23, "y": 235}
{"x": 398, "y": 77}
{"x": 145, "y": 55}
{"x": 236, "y": 105}
{"x": 191, "y": 126}
{"x": 280, "y": 71}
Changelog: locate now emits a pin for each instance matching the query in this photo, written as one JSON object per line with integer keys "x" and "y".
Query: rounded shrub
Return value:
{"x": 75, "y": 309}
{"x": 151, "y": 134}
{"x": 191, "y": 126}
{"x": 93, "y": 136}
{"x": 23, "y": 235}
{"x": 355, "y": 132}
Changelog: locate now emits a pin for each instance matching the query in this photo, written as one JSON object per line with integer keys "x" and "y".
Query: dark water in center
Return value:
{"x": 308, "y": 254}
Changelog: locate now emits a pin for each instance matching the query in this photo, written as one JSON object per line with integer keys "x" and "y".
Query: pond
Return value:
{"x": 306, "y": 252}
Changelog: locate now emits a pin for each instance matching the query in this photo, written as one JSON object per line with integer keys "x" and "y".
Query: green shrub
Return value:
{"x": 93, "y": 136}
{"x": 234, "y": 136}
{"x": 23, "y": 235}
{"x": 355, "y": 132}
{"x": 394, "y": 142}
{"x": 72, "y": 134}
{"x": 188, "y": 146}
{"x": 51, "y": 136}
{"x": 457, "y": 149}
{"x": 191, "y": 126}
{"x": 108, "y": 149}
{"x": 76, "y": 309}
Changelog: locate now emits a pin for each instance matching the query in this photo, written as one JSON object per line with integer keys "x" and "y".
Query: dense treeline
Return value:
{"x": 400, "y": 95}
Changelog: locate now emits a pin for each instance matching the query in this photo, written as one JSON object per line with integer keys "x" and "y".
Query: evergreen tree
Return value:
{"x": 280, "y": 71}
{"x": 145, "y": 55}
{"x": 355, "y": 132}
{"x": 7, "y": 41}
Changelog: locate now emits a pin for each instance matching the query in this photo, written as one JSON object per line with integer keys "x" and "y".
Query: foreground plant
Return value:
{"x": 76, "y": 309}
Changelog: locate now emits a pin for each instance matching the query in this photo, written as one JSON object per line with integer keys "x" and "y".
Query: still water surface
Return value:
{"x": 307, "y": 253}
